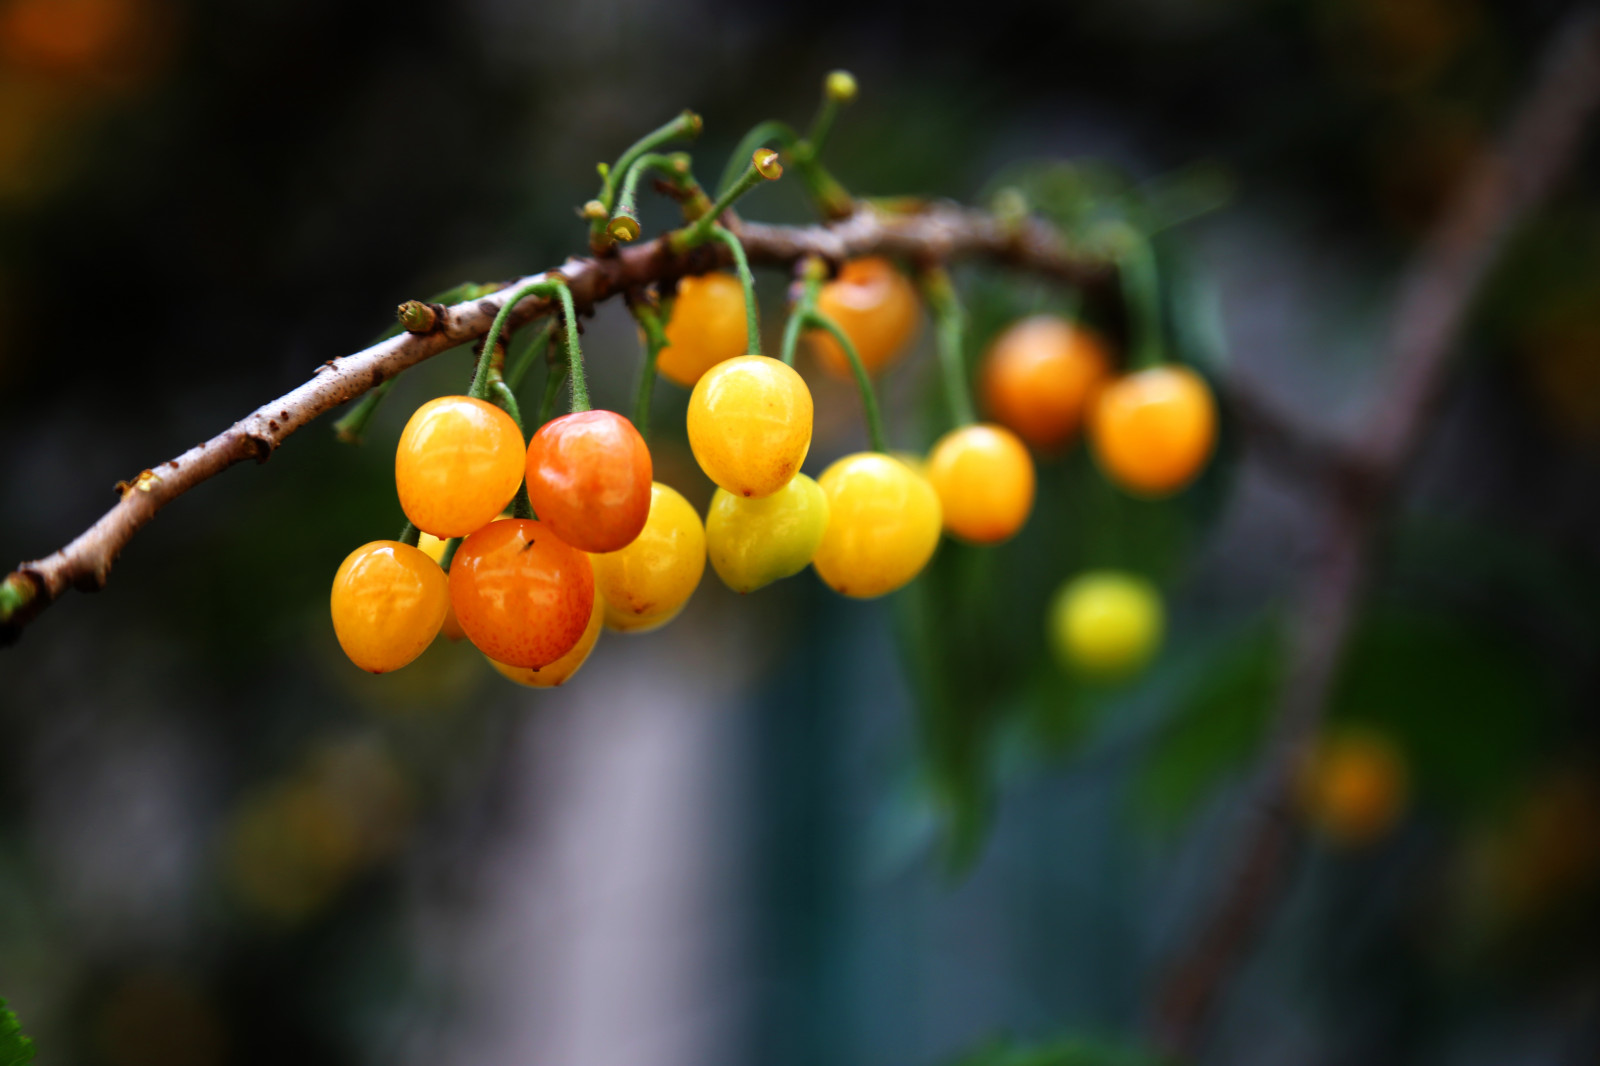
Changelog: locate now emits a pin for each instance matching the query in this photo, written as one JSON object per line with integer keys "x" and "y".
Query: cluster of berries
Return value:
{"x": 610, "y": 547}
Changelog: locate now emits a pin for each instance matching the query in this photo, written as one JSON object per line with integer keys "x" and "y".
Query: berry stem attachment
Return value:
{"x": 869, "y": 398}
{"x": 506, "y": 400}
{"x": 553, "y": 285}
{"x": 764, "y": 166}
{"x": 741, "y": 264}
{"x": 650, "y": 321}
{"x": 624, "y": 223}
{"x": 950, "y": 328}
{"x": 409, "y": 534}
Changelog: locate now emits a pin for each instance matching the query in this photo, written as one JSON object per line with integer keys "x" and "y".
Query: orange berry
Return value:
{"x": 984, "y": 477}
{"x": 522, "y": 594}
{"x": 1354, "y": 788}
{"x": 388, "y": 602}
{"x": 589, "y": 479}
{"x": 1039, "y": 377}
{"x": 875, "y": 306}
{"x": 458, "y": 465}
{"x": 707, "y": 326}
{"x": 1153, "y": 430}
{"x": 558, "y": 672}
{"x": 749, "y": 424}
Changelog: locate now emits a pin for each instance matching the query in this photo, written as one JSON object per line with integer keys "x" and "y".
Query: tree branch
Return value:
{"x": 936, "y": 233}
{"x": 1501, "y": 189}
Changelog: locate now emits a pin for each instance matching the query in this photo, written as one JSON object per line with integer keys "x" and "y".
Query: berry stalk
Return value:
{"x": 741, "y": 264}
{"x": 950, "y": 327}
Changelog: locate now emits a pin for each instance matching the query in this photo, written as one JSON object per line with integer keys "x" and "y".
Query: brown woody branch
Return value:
{"x": 936, "y": 232}
{"x": 1502, "y": 188}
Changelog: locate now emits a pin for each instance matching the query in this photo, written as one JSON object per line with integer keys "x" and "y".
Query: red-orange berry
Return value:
{"x": 521, "y": 593}
{"x": 589, "y": 477}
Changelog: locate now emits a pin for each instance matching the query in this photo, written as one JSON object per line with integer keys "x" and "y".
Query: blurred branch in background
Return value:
{"x": 932, "y": 233}
{"x": 1497, "y": 193}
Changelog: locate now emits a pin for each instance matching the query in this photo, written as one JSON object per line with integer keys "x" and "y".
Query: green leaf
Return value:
{"x": 1217, "y": 728}
{"x": 1467, "y": 708}
{"x": 15, "y": 1049}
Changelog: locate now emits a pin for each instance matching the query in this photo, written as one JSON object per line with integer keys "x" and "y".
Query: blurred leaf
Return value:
{"x": 1067, "y": 1051}
{"x": 15, "y": 1049}
{"x": 1217, "y": 727}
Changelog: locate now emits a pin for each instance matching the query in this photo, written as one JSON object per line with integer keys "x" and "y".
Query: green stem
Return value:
{"x": 448, "y": 555}
{"x": 763, "y": 167}
{"x": 16, "y": 592}
{"x": 752, "y": 313}
{"x": 556, "y": 286}
{"x": 869, "y": 398}
{"x": 686, "y": 124}
{"x": 950, "y": 326}
{"x": 655, "y": 339}
{"x": 552, "y": 391}
{"x": 526, "y": 353}
{"x": 831, "y": 198}
{"x": 507, "y": 400}
{"x": 760, "y": 134}
{"x": 624, "y": 224}
{"x": 409, "y": 534}
{"x": 521, "y": 506}
{"x": 353, "y": 425}
{"x": 838, "y": 89}
{"x": 810, "y": 286}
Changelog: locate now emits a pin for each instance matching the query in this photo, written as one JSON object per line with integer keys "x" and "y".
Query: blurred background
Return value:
{"x": 788, "y": 828}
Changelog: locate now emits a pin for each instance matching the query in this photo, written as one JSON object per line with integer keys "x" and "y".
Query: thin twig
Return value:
{"x": 938, "y": 232}
{"x": 1500, "y": 190}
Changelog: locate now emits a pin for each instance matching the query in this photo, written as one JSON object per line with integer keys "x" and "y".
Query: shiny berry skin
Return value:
{"x": 522, "y": 594}
{"x": 984, "y": 477}
{"x": 883, "y": 525}
{"x": 1153, "y": 430}
{"x": 458, "y": 465}
{"x": 750, "y": 424}
{"x": 1354, "y": 787}
{"x": 558, "y": 672}
{"x": 388, "y": 602}
{"x": 647, "y": 583}
{"x": 589, "y": 479}
{"x": 1107, "y": 623}
{"x": 1040, "y": 376}
{"x": 707, "y": 326}
{"x": 754, "y": 542}
{"x": 876, "y": 307}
